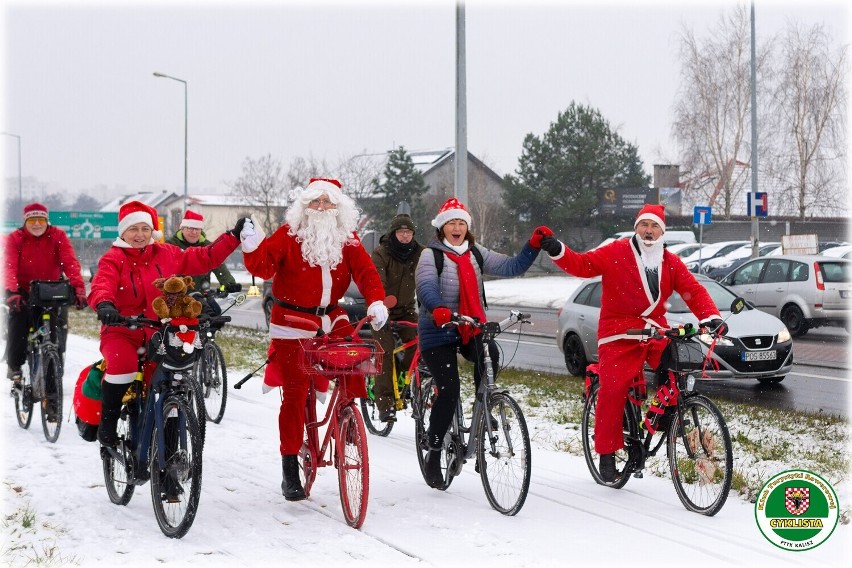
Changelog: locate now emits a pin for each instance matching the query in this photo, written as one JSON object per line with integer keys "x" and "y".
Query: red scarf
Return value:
{"x": 469, "y": 304}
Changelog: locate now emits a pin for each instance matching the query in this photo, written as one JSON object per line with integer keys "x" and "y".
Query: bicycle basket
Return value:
{"x": 51, "y": 293}
{"x": 329, "y": 357}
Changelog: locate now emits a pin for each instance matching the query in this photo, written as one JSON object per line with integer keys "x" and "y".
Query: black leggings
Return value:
{"x": 443, "y": 364}
{"x": 17, "y": 333}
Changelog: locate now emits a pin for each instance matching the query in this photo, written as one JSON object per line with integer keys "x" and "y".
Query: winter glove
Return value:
{"x": 108, "y": 314}
{"x": 14, "y": 300}
{"x": 379, "y": 312}
{"x": 441, "y": 315}
{"x": 550, "y": 245}
{"x": 238, "y": 228}
{"x": 250, "y": 236}
{"x": 234, "y": 287}
{"x": 80, "y": 302}
{"x": 538, "y": 234}
{"x": 717, "y": 326}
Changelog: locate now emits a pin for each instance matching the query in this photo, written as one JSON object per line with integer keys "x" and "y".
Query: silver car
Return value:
{"x": 805, "y": 291}
{"x": 758, "y": 346}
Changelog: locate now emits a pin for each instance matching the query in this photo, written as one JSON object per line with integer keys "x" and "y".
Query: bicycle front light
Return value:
{"x": 690, "y": 382}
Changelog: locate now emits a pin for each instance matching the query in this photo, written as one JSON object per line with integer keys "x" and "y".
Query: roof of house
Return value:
{"x": 147, "y": 197}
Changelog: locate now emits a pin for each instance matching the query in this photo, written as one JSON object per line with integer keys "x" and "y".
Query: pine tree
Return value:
{"x": 400, "y": 181}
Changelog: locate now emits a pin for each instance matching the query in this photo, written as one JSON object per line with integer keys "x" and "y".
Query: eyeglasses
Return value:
{"x": 326, "y": 204}
{"x": 404, "y": 232}
{"x": 36, "y": 221}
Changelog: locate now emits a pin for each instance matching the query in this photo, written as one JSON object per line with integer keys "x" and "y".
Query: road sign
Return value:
{"x": 758, "y": 204}
{"x": 702, "y": 215}
{"x": 86, "y": 224}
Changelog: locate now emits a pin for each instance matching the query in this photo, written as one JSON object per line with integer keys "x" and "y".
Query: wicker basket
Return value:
{"x": 327, "y": 356}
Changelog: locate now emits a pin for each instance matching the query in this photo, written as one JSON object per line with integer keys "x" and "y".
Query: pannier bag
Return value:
{"x": 51, "y": 293}
{"x": 87, "y": 400}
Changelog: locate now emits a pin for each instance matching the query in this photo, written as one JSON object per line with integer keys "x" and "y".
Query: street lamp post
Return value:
{"x": 185, "y": 136}
{"x": 20, "y": 189}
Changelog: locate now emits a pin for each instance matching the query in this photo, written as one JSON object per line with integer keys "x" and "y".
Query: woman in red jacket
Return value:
{"x": 123, "y": 286}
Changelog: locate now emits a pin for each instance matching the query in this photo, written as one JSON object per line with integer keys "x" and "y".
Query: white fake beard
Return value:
{"x": 321, "y": 238}
{"x": 652, "y": 256}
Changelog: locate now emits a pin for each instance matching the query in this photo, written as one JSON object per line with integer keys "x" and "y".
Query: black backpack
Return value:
{"x": 477, "y": 254}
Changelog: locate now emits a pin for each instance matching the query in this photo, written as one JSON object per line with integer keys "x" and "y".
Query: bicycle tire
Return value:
{"x": 176, "y": 489}
{"x": 701, "y": 470}
{"x": 119, "y": 475}
{"x": 422, "y": 403}
{"x": 370, "y": 412}
{"x": 353, "y": 466}
{"x": 23, "y": 404}
{"x": 215, "y": 382}
{"x": 195, "y": 397}
{"x": 504, "y": 458}
{"x": 51, "y": 404}
{"x": 587, "y": 433}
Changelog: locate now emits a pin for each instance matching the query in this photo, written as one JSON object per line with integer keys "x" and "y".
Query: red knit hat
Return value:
{"x": 134, "y": 212}
{"x": 652, "y": 212}
{"x": 192, "y": 220}
{"x": 451, "y": 209}
{"x": 35, "y": 210}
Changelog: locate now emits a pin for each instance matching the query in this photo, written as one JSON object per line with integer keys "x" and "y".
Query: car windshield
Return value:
{"x": 722, "y": 297}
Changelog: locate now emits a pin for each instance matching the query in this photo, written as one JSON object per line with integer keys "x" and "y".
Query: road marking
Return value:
{"x": 841, "y": 379}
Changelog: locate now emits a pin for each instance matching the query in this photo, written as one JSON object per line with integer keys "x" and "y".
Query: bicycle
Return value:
{"x": 42, "y": 382}
{"x": 501, "y": 444}
{"x": 159, "y": 434}
{"x": 697, "y": 440}
{"x": 209, "y": 372}
{"x": 401, "y": 384}
{"x": 344, "y": 442}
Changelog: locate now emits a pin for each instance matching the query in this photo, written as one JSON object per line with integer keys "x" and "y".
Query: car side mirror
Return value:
{"x": 738, "y": 305}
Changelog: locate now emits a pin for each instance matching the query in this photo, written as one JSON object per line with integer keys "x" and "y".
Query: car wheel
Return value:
{"x": 794, "y": 319}
{"x": 771, "y": 380}
{"x": 267, "y": 310}
{"x": 575, "y": 356}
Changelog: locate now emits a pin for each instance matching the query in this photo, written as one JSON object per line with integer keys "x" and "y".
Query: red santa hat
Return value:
{"x": 134, "y": 212}
{"x": 35, "y": 210}
{"x": 192, "y": 220}
{"x": 451, "y": 209}
{"x": 317, "y": 186}
{"x": 652, "y": 212}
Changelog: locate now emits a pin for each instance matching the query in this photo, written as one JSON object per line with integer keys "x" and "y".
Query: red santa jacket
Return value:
{"x": 46, "y": 257}
{"x": 626, "y": 300}
{"x": 295, "y": 282}
{"x": 125, "y": 276}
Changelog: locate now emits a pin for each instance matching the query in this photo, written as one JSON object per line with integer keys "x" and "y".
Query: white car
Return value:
{"x": 710, "y": 251}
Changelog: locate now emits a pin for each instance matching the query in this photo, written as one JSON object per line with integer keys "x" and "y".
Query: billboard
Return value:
{"x": 625, "y": 201}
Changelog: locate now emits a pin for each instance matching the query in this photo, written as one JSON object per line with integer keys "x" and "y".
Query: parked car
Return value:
{"x": 352, "y": 302}
{"x": 842, "y": 251}
{"x": 669, "y": 237}
{"x": 710, "y": 251}
{"x": 719, "y": 267}
{"x": 684, "y": 249}
{"x": 805, "y": 291}
{"x": 757, "y": 346}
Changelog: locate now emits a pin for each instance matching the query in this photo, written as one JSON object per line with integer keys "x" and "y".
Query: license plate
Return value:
{"x": 760, "y": 355}
{"x": 846, "y": 293}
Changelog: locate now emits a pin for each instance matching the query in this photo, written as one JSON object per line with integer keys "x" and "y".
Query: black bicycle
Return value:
{"x": 693, "y": 430}
{"x": 159, "y": 434}
{"x": 41, "y": 381}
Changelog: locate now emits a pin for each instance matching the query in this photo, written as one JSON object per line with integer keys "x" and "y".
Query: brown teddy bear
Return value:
{"x": 175, "y": 301}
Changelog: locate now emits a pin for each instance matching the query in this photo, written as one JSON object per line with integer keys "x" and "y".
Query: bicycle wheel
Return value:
{"x": 23, "y": 403}
{"x": 422, "y": 404}
{"x": 587, "y": 433}
{"x": 214, "y": 382}
{"x": 195, "y": 396}
{"x": 176, "y": 488}
{"x": 370, "y": 411}
{"x": 307, "y": 468}
{"x": 700, "y": 456}
{"x": 503, "y": 458}
{"x": 51, "y": 404}
{"x": 353, "y": 466}
{"x": 119, "y": 473}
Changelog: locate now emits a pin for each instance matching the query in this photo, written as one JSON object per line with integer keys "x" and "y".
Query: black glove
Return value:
{"x": 108, "y": 314}
{"x": 238, "y": 228}
{"x": 551, "y": 245}
{"x": 235, "y": 287}
{"x": 14, "y": 300}
{"x": 80, "y": 302}
{"x": 718, "y": 327}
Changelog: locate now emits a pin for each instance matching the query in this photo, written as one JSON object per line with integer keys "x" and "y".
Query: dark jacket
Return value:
{"x": 398, "y": 279}
{"x": 223, "y": 275}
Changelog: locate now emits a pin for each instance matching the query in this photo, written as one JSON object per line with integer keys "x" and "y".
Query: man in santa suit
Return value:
{"x": 311, "y": 260}
{"x": 638, "y": 276}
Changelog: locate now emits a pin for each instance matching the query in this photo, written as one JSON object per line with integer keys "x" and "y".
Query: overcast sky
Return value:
{"x": 332, "y": 80}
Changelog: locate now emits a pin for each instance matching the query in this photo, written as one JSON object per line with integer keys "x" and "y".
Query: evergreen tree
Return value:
{"x": 400, "y": 181}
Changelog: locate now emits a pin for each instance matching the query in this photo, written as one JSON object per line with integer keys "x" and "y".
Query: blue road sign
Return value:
{"x": 758, "y": 204}
{"x": 702, "y": 215}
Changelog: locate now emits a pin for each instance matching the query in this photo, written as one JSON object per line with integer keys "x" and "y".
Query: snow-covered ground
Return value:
{"x": 243, "y": 520}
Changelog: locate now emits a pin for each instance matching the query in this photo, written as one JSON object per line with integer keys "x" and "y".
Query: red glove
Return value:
{"x": 441, "y": 315}
{"x": 538, "y": 233}
{"x": 80, "y": 302}
{"x": 14, "y": 300}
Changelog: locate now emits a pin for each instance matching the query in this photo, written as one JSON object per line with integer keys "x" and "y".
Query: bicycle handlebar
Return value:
{"x": 686, "y": 331}
{"x": 134, "y": 322}
{"x": 513, "y": 318}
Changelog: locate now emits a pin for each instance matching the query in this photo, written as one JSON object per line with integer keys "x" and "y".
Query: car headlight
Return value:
{"x": 707, "y": 339}
{"x": 347, "y": 301}
{"x": 783, "y": 336}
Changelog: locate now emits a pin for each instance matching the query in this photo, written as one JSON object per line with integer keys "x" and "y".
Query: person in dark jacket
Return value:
{"x": 35, "y": 251}
{"x": 191, "y": 234}
{"x": 396, "y": 258}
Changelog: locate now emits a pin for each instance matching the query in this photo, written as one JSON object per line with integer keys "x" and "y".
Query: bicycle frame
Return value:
{"x": 335, "y": 407}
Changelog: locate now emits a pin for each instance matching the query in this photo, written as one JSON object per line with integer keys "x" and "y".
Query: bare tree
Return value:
{"x": 358, "y": 172}
{"x": 263, "y": 188}
{"x": 301, "y": 170}
{"x": 809, "y": 137}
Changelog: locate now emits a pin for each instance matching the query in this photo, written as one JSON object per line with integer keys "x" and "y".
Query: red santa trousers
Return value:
{"x": 120, "y": 347}
{"x": 620, "y": 362}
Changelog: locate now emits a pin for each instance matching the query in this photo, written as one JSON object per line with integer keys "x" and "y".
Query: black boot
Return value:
{"x": 291, "y": 487}
{"x": 433, "y": 474}
{"x": 607, "y": 467}
{"x": 111, "y": 395}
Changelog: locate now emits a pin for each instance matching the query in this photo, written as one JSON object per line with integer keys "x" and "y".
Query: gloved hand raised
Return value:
{"x": 108, "y": 314}
{"x": 379, "y": 312}
{"x": 250, "y": 235}
{"x": 441, "y": 316}
{"x": 80, "y": 301}
{"x": 14, "y": 300}
{"x": 238, "y": 228}
{"x": 538, "y": 234}
{"x": 717, "y": 326}
{"x": 551, "y": 245}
